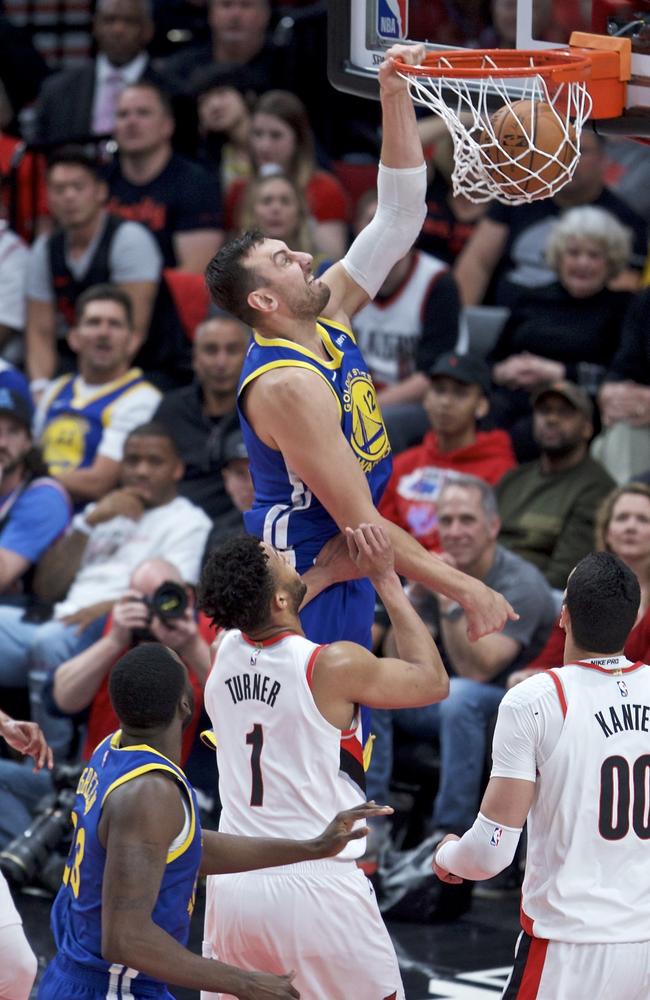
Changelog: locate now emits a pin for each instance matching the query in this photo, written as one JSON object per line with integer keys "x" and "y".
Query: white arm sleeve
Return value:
{"x": 482, "y": 852}
{"x": 401, "y": 210}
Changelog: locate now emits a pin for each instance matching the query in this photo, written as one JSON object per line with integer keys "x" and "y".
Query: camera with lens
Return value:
{"x": 167, "y": 603}
{"x": 34, "y": 852}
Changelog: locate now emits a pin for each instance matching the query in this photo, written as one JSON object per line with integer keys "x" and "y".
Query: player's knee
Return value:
{"x": 19, "y": 970}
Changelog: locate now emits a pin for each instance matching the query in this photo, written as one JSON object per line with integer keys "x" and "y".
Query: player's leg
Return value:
{"x": 344, "y": 611}
{"x": 18, "y": 965}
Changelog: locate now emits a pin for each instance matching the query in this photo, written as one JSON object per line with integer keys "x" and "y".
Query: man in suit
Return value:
{"x": 81, "y": 101}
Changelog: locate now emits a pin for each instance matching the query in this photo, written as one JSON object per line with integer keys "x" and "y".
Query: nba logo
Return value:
{"x": 622, "y": 687}
{"x": 392, "y": 19}
{"x": 254, "y": 655}
{"x": 496, "y": 836}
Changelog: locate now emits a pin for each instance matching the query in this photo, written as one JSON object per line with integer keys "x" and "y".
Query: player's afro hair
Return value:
{"x": 237, "y": 585}
{"x": 146, "y": 685}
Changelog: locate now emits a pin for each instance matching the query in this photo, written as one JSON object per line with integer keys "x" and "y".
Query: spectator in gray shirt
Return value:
{"x": 468, "y": 524}
{"x": 89, "y": 247}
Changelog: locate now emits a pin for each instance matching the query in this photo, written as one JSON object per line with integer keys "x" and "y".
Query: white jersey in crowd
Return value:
{"x": 582, "y": 733}
{"x": 283, "y": 769}
{"x": 388, "y": 331}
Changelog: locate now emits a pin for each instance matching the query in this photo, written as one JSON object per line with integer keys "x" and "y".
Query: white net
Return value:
{"x": 523, "y": 152}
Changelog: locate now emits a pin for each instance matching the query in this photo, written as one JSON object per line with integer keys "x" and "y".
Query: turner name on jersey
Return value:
{"x": 253, "y": 687}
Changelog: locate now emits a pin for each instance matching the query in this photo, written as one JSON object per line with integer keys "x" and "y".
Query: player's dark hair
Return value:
{"x": 105, "y": 293}
{"x": 74, "y": 156}
{"x": 237, "y": 585}
{"x": 228, "y": 279}
{"x": 153, "y": 428}
{"x": 602, "y": 598}
{"x": 146, "y": 685}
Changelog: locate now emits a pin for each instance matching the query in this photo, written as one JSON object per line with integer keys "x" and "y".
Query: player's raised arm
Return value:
{"x": 300, "y": 416}
{"x": 401, "y": 188}
{"x": 346, "y": 673}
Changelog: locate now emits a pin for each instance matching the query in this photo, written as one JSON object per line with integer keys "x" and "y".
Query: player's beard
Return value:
{"x": 311, "y": 304}
{"x": 297, "y": 590}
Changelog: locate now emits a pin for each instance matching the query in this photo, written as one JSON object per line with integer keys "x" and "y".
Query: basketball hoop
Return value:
{"x": 529, "y": 148}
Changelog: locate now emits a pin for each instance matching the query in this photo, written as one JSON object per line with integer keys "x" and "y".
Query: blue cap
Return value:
{"x": 14, "y": 402}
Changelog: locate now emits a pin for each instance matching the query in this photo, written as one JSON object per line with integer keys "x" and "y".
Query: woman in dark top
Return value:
{"x": 570, "y": 329}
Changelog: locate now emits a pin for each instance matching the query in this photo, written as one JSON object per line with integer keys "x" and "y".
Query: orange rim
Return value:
{"x": 558, "y": 65}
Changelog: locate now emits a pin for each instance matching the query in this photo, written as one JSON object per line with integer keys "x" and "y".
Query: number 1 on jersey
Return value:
{"x": 255, "y": 739}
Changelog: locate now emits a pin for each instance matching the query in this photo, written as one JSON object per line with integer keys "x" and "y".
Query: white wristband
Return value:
{"x": 38, "y": 384}
{"x": 80, "y": 524}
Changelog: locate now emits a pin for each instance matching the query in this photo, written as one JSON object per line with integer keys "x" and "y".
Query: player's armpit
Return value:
{"x": 295, "y": 411}
{"x": 346, "y": 674}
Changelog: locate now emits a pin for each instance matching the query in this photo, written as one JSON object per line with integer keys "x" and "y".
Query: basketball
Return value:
{"x": 531, "y": 150}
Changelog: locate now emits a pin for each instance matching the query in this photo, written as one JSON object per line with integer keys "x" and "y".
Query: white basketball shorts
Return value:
{"x": 558, "y": 970}
{"x": 320, "y": 918}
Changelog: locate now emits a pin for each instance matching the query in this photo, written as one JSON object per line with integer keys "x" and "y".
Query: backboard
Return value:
{"x": 360, "y": 31}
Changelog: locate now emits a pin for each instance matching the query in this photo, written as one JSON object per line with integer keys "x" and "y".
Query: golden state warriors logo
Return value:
{"x": 64, "y": 442}
{"x": 368, "y": 435}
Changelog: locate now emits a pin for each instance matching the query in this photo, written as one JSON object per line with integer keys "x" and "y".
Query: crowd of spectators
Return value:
{"x": 121, "y": 458}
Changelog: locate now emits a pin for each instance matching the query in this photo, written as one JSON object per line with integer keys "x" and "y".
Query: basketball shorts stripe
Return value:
{"x": 524, "y": 982}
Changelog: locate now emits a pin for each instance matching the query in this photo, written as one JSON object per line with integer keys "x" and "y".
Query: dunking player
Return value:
{"x": 121, "y": 917}
{"x": 284, "y": 711}
{"x": 18, "y": 963}
{"x": 318, "y": 448}
{"x": 571, "y": 754}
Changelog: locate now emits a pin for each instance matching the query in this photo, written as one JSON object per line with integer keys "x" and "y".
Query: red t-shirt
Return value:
{"x": 31, "y": 197}
{"x": 326, "y": 199}
{"x": 636, "y": 648}
{"x": 102, "y": 720}
{"x": 410, "y": 498}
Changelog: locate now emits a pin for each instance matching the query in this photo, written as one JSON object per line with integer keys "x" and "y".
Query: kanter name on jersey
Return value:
{"x": 253, "y": 687}
{"x": 625, "y": 717}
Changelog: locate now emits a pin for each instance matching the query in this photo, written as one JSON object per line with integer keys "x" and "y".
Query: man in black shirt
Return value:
{"x": 203, "y": 415}
{"x": 175, "y": 198}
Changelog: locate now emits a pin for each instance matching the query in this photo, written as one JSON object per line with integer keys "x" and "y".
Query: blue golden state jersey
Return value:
{"x": 77, "y": 910}
{"x": 285, "y": 512}
{"x": 73, "y": 425}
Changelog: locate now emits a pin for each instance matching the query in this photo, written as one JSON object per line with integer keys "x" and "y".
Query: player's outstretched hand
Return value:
{"x": 371, "y": 551}
{"x": 265, "y": 986}
{"x": 442, "y": 873}
{"x": 341, "y": 830}
{"x": 27, "y": 738}
{"x": 486, "y": 611}
{"x": 334, "y": 560}
{"x": 389, "y": 80}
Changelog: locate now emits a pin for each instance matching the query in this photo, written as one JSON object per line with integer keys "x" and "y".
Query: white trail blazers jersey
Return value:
{"x": 284, "y": 771}
{"x": 588, "y": 863}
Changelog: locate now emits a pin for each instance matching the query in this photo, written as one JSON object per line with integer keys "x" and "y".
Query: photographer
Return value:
{"x": 80, "y": 685}
{"x": 18, "y": 964}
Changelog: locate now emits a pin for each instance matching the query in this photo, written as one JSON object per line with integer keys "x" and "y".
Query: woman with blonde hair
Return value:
{"x": 570, "y": 329}
{"x": 281, "y": 140}
{"x": 276, "y": 206}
